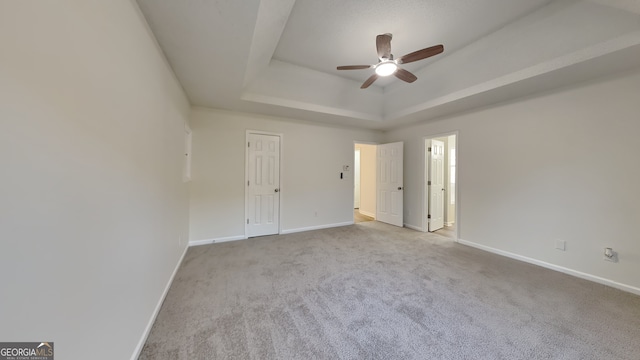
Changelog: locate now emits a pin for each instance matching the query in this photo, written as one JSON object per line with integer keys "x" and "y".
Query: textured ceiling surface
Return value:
{"x": 324, "y": 34}
{"x": 279, "y": 57}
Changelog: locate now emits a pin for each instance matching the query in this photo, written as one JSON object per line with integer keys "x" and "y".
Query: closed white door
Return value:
{"x": 263, "y": 184}
{"x": 356, "y": 180}
{"x": 436, "y": 185}
{"x": 390, "y": 184}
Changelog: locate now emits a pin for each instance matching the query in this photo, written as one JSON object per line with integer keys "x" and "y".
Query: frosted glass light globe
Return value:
{"x": 386, "y": 68}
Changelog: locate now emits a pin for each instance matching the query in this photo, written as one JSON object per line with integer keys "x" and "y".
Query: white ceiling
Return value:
{"x": 321, "y": 35}
{"x": 279, "y": 57}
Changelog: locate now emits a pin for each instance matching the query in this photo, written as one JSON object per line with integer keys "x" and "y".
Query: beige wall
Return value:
{"x": 560, "y": 165}
{"x": 92, "y": 203}
{"x": 311, "y": 163}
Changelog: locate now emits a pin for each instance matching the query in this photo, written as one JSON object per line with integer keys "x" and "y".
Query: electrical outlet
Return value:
{"x": 561, "y": 245}
{"x": 610, "y": 255}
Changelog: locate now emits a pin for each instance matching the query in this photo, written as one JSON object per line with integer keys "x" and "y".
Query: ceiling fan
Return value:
{"x": 387, "y": 65}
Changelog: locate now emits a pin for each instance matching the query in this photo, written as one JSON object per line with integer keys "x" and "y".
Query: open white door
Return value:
{"x": 263, "y": 184}
{"x": 390, "y": 184}
{"x": 436, "y": 185}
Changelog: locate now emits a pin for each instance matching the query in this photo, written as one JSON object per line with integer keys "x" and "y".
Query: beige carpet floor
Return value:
{"x": 372, "y": 291}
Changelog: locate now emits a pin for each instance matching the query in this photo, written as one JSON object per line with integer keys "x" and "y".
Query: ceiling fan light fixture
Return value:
{"x": 388, "y": 65}
{"x": 386, "y": 68}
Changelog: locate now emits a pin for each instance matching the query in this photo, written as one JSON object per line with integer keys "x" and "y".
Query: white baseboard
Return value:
{"x": 413, "y": 227}
{"x": 318, "y": 227}
{"x": 147, "y": 330}
{"x": 242, "y": 237}
{"x": 216, "y": 240}
{"x": 450, "y": 223}
{"x": 579, "y": 274}
{"x": 366, "y": 213}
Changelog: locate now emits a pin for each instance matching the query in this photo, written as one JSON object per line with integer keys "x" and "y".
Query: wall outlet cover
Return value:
{"x": 610, "y": 255}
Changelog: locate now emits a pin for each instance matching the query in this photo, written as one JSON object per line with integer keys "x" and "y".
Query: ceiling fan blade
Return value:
{"x": 383, "y": 44}
{"x": 404, "y": 75}
{"x": 353, "y": 67}
{"x": 421, "y": 54}
{"x": 369, "y": 81}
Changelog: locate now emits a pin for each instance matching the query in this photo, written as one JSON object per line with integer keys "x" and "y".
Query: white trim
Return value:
{"x": 216, "y": 240}
{"x": 366, "y": 213}
{"x": 156, "y": 311}
{"x": 579, "y": 274}
{"x": 318, "y": 227}
{"x": 413, "y": 227}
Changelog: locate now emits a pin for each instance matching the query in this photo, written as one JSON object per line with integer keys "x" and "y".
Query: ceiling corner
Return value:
{"x": 270, "y": 22}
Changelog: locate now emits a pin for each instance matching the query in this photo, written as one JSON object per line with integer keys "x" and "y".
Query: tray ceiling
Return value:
{"x": 279, "y": 57}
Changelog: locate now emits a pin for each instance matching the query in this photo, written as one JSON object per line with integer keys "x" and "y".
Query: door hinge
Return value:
{"x": 247, "y": 182}
{"x": 248, "y": 144}
{"x": 429, "y": 150}
{"x": 247, "y": 221}
{"x": 429, "y": 216}
{"x": 429, "y": 182}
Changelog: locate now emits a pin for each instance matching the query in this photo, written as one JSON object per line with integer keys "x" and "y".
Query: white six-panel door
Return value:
{"x": 390, "y": 184}
{"x": 436, "y": 185}
{"x": 263, "y": 184}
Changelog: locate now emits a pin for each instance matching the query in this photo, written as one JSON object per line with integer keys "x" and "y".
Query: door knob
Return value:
{"x": 277, "y": 190}
{"x": 399, "y": 187}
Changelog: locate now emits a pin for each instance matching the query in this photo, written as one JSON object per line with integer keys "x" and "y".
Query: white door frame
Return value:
{"x": 246, "y": 178}
{"x": 425, "y": 178}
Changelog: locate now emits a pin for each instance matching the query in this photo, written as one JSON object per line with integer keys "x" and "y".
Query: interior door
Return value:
{"x": 390, "y": 184}
{"x": 436, "y": 185}
{"x": 263, "y": 184}
{"x": 356, "y": 180}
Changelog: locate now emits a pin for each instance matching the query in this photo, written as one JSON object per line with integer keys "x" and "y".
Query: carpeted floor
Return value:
{"x": 373, "y": 291}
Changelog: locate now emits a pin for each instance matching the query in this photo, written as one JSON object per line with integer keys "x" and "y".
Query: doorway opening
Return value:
{"x": 364, "y": 182}
{"x": 440, "y": 200}
{"x": 380, "y": 187}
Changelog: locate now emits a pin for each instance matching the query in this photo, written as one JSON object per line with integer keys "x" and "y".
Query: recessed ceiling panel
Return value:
{"x": 324, "y": 34}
